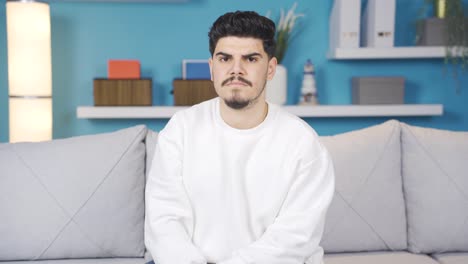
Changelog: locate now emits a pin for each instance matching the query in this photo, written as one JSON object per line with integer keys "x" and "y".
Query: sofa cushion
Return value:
{"x": 79, "y": 197}
{"x": 378, "y": 258}
{"x": 452, "y": 258}
{"x": 150, "y": 142}
{"x": 367, "y": 212}
{"x": 435, "y": 177}
{"x": 83, "y": 261}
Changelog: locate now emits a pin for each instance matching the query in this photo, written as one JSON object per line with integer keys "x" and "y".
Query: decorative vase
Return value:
{"x": 276, "y": 88}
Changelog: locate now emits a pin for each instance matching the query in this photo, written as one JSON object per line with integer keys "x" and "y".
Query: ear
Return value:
{"x": 210, "y": 63}
{"x": 271, "y": 68}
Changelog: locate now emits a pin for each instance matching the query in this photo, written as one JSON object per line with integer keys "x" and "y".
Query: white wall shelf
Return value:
{"x": 119, "y": 1}
{"x": 388, "y": 53}
{"x": 155, "y": 112}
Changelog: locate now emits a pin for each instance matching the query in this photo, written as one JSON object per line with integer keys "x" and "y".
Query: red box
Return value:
{"x": 123, "y": 69}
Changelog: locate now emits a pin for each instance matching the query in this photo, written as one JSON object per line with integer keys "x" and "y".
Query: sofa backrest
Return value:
{"x": 80, "y": 197}
{"x": 368, "y": 211}
{"x": 83, "y": 197}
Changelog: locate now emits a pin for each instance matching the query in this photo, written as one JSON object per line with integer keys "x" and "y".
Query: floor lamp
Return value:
{"x": 29, "y": 70}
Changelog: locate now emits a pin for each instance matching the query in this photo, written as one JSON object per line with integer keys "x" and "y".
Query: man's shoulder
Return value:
{"x": 298, "y": 133}
{"x": 292, "y": 124}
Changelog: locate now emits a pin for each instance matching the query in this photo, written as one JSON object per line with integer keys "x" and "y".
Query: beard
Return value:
{"x": 237, "y": 103}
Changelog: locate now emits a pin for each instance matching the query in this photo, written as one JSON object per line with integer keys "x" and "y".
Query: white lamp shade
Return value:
{"x": 30, "y": 119}
{"x": 29, "y": 54}
{"x": 29, "y": 70}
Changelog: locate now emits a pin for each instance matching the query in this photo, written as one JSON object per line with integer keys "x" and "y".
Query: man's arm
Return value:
{"x": 296, "y": 232}
{"x": 169, "y": 218}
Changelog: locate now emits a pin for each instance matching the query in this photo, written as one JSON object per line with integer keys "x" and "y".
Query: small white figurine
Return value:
{"x": 308, "y": 90}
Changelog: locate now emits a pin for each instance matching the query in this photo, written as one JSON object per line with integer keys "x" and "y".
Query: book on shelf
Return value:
{"x": 378, "y": 24}
{"x": 345, "y": 21}
{"x": 195, "y": 70}
{"x": 123, "y": 69}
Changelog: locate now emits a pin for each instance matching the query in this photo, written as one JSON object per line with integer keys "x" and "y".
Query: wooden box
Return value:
{"x": 191, "y": 92}
{"x": 122, "y": 92}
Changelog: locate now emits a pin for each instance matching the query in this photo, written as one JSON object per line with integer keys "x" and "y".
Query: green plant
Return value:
{"x": 284, "y": 31}
{"x": 456, "y": 33}
{"x": 452, "y": 11}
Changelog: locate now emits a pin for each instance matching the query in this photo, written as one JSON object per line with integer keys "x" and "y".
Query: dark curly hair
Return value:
{"x": 244, "y": 24}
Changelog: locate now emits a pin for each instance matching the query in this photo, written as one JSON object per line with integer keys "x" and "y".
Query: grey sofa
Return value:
{"x": 401, "y": 197}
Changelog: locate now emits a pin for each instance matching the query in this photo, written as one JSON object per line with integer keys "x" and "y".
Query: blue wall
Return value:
{"x": 86, "y": 35}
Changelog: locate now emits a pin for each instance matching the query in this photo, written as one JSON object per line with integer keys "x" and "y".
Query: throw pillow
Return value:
{"x": 367, "y": 212}
{"x": 435, "y": 177}
{"x": 80, "y": 197}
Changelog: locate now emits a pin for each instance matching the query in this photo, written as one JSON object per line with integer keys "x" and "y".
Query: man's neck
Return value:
{"x": 246, "y": 118}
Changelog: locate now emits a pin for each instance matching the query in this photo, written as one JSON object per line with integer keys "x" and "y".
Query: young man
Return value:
{"x": 236, "y": 180}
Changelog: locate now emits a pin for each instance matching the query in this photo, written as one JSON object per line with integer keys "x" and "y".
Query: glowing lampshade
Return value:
{"x": 29, "y": 71}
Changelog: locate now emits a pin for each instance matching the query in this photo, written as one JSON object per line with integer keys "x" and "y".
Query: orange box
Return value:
{"x": 123, "y": 69}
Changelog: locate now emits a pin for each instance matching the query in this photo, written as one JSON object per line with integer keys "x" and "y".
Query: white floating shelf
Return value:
{"x": 366, "y": 110}
{"x": 154, "y": 112}
{"x": 104, "y": 112}
{"x": 388, "y": 53}
{"x": 119, "y": 1}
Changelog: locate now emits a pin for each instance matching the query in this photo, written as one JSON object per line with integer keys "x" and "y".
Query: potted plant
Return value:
{"x": 448, "y": 27}
{"x": 276, "y": 90}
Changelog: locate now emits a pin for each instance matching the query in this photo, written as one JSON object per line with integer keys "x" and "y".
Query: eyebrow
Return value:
{"x": 243, "y": 56}
{"x": 223, "y": 54}
{"x": 253, "y": 54}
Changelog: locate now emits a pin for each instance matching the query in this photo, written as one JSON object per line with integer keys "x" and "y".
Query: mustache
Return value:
{"x": 239, "y": 78}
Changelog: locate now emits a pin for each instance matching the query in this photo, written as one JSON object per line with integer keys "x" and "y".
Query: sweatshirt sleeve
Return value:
{"x": 295, "y": 234}
{"x": 169, "y": 217}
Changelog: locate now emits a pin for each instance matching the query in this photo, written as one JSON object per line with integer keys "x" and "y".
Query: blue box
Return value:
{"x": 195, "y": 70}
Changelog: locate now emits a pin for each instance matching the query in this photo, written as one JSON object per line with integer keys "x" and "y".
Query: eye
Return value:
{"x": 223, "y": 59}
{"x": 252, "y": 59}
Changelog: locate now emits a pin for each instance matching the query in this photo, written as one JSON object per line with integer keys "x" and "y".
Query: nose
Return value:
{"x": 237, "y": 68}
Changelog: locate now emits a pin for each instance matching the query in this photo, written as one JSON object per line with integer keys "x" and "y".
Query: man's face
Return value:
{"x": 240, "y": 69}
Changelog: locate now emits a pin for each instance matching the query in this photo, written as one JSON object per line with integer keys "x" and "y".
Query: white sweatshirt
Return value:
{"x": 222, "y": 195}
